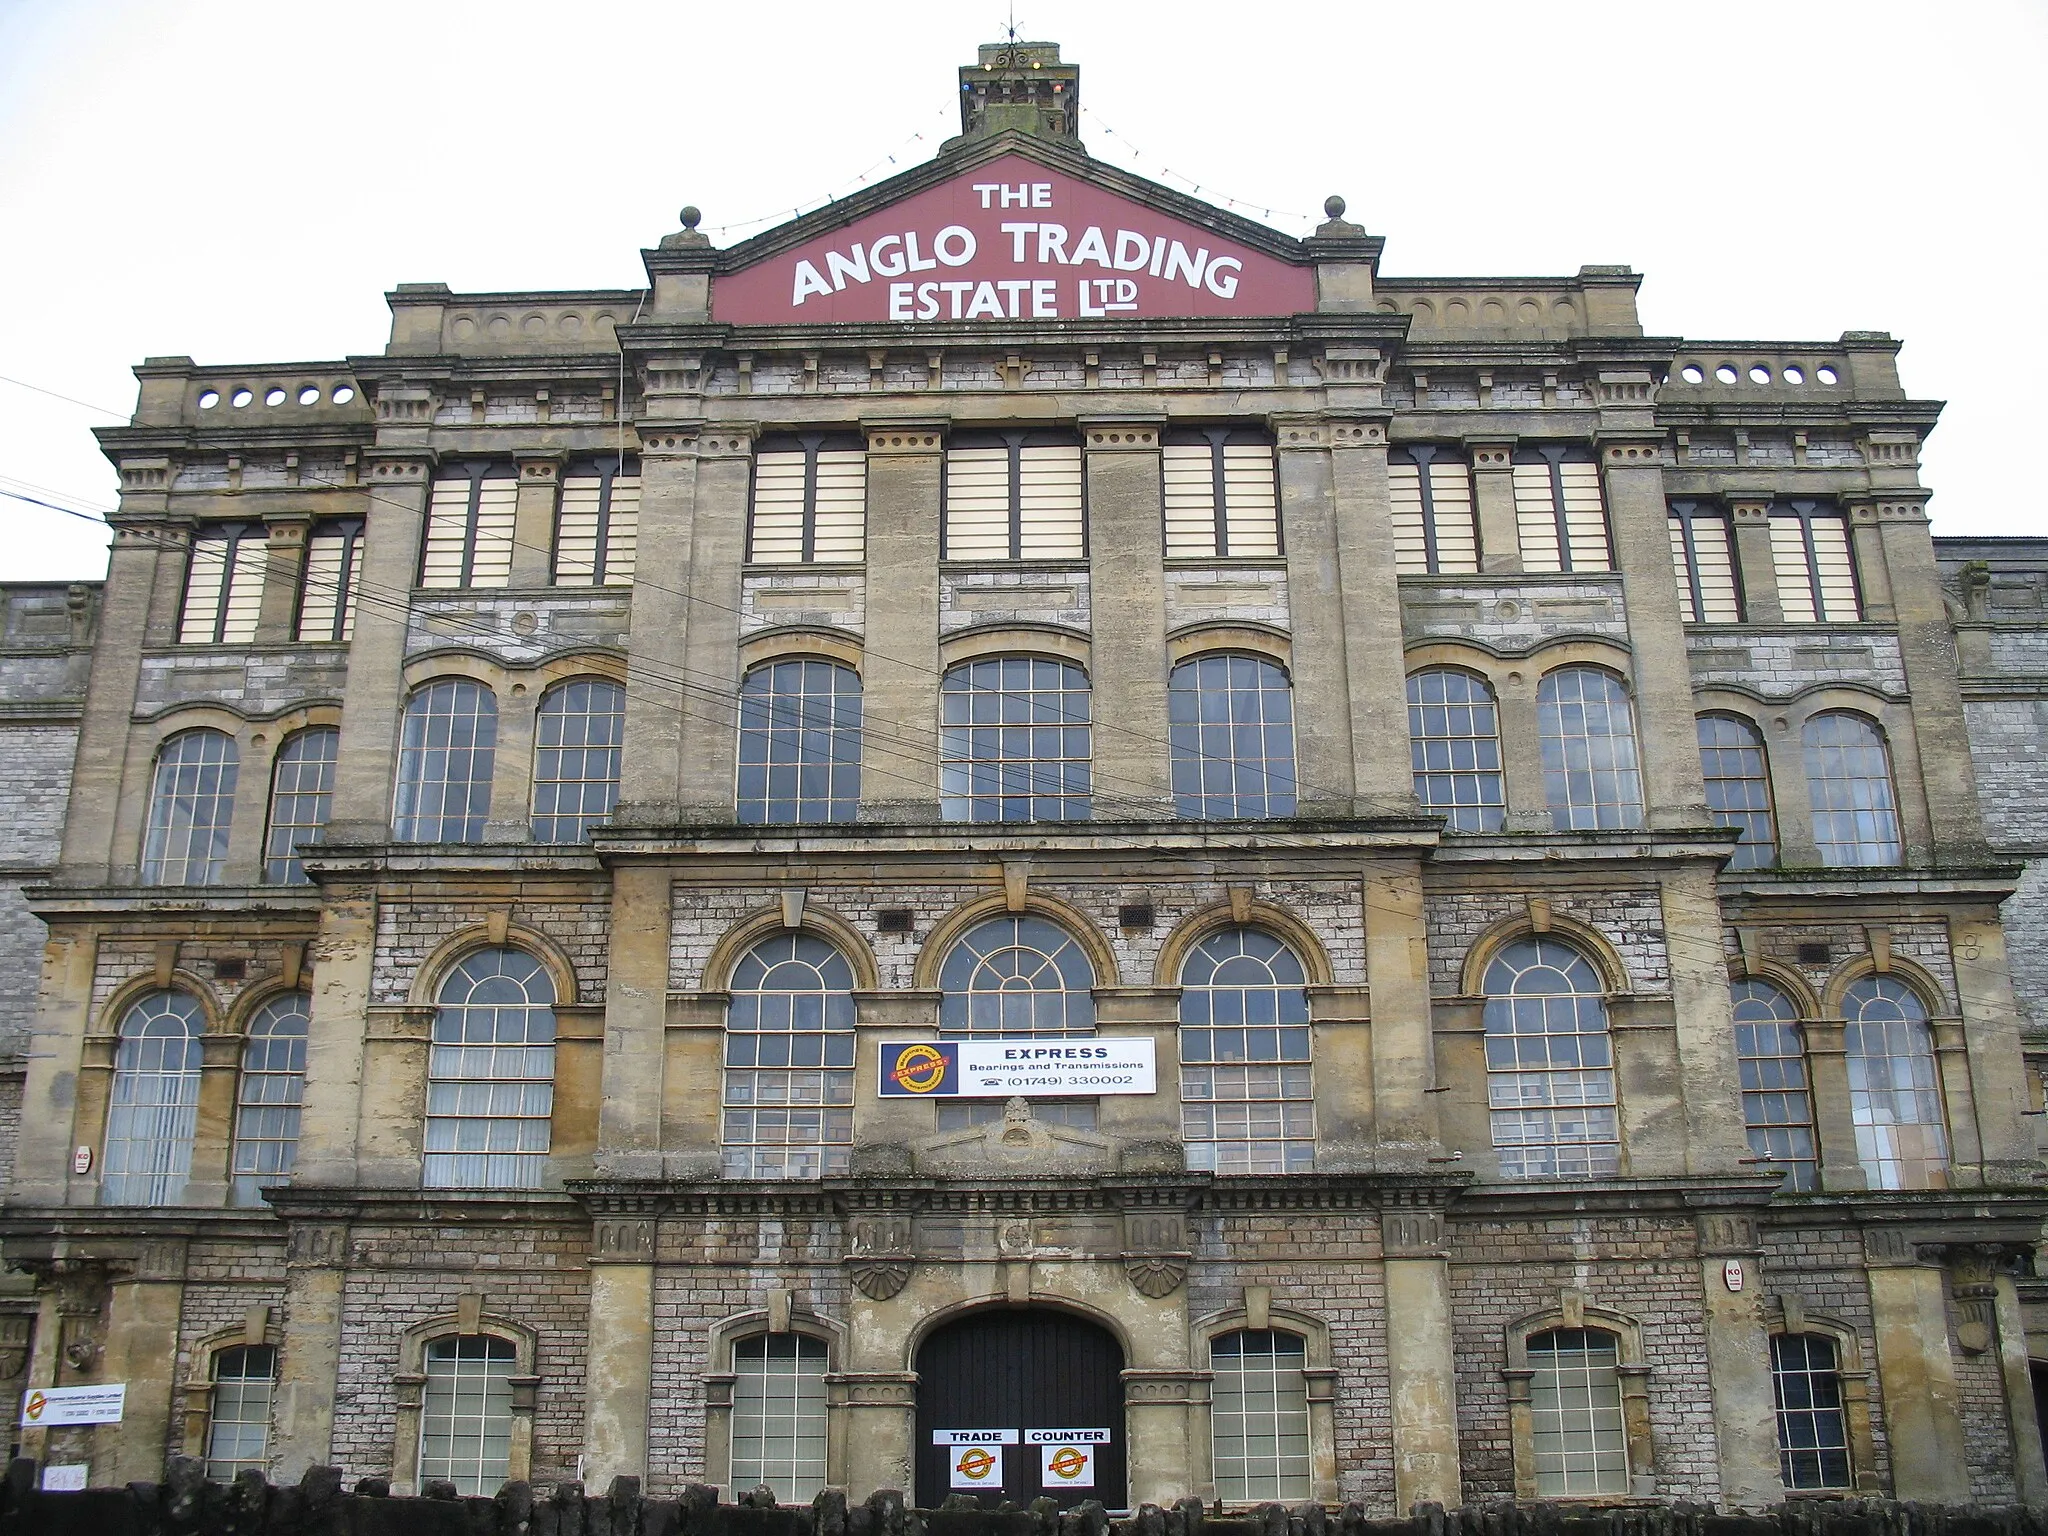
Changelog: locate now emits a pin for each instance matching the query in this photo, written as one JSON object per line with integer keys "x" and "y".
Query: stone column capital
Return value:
{"x": 1122, "y": 434}
{"x": 905, "y": 437}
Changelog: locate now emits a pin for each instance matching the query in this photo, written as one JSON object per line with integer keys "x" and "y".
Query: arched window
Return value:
{"x": 1231, "y": 726}
{"x": 1813, "y": 1424}
{"x": 491, "y": 1074}
{"x": 1017, "y": 976}
{"x": 789, "y": 1061}
{"x": 1258, "y": 1417}
{"x": 155, "y": 1110}
{"x": 191, "y": 804}
{"x": 1894, "y": 1086}
{"x": 466, "y": 1412}
{"x": 1014, "y": 741}
{"x": 446, "y": 757}
{"x": 301, "y": 796}
{"x": 800, "y": 742}
{"x": 778, "y": 1415}
{"x": 579, "y": 731}
{"x": 1589, "y": 750}
{"x": 1454, "y": 746}
{"x": 238, "y": 1414}
{"x": 1849, "y": 778}
{"x": 272, "y": 1087}
{"x": 1777, "y": 1105}
{"x": 1247, "y": 1102}
{"x": 1550, "y": 1064}
{"x": 1739, "y": 787}
{"x": 1578, "y": 1440}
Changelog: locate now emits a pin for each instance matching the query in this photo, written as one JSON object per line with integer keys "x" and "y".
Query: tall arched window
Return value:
{"x": 579, "y": 732}
{"x": 267, "y": 1099}
{"x": 1849, "y": 778}
{"x": 155, "y": 1108}
{"x": 789, "y": 1061}
{"x": 301, "y": 796}
{"x": 1247, "y": 1102}
{"x": 446, "y": 757}
{"x": 1014, "y": 741}
{"x": 1578, "y": 1439}
{"x": 1777, "y": 1104}
{"x": 1550, "y": 1064}
{"x": 238, "y": 1412}
{"x": 1813, "y": 1423}
{"x": 466, "y": 1412}
{"x": 1016, "y": 976}
{"x": 191, "y": 805}
{"x": 1894, "y": 1086}
{"x": 1258, "y": 1417}
{"x": 1231, "y": 728}
{"x": 800, "y": 742}
{"x": 1454, "y": 746}
{"x": 491, "y": 1074}
{"x": 1739, "y": 787}
{"x": 1589, "y": 750}
{"x": 778, "y": 1415}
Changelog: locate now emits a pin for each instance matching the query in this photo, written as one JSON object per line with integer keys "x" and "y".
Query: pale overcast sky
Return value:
{"x": 243, "y": 181}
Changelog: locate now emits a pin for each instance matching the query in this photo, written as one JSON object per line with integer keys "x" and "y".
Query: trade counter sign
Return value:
{"x": 975, "y": 1456}
{"x": 1003, "y": 1069}
{"x": 1068, "y": 1455}
{"x": 42, "y": 1407}
{"x": 1011, "y": 240}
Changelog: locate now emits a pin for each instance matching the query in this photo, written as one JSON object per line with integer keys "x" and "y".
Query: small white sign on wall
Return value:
{"x": 66, "y": 1479}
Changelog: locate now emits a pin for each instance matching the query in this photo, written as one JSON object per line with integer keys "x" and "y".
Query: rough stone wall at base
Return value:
{"x": 2026, "y": 921}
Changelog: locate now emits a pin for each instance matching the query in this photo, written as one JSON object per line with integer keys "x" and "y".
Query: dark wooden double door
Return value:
{"x": 1020, "y": 1368}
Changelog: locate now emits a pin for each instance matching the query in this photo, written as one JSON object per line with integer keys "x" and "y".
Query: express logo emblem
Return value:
{"x": 919, "y": 1069}
{"x": 36, "y": 1404}
{"x": 1068, "y": 1461}
{"x": 976, "y": 1463}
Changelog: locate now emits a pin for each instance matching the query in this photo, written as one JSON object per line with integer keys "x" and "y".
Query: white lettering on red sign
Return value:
{"x": 1101, "y": 254}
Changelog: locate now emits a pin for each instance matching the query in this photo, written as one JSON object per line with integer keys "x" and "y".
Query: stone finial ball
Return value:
{"x": 691, "y": 215}
{"x": 1333, "y": 205}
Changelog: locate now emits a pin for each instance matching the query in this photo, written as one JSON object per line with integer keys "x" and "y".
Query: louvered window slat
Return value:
{"x": 1585, "y": 517}
{"x": 839, "y": 518}
{"x": 978, "y": 504}
{"x": 810, "y": 504}
{"x": 1837, "y": 570}
{"x": 1251, "y": 496}
{"x": 334, "y": 572}
{"x": 622, "y": 531}
{"x": 1190, "y": 472}
{"x": 469, "y": 532}
{"x": 1433, "y": 533}
{"x": 1552, "y": 492}
{"x": 224, "y": 586}
{"x": 1705, "y": 570}
{"x": 1190, "y": 490}
{"x": 595, "y": 530}
{"x": 1536, "y": 519}
{"x": 1811, "y": 558}
{"x": 778, "y": 524}
{"x": 1049, "y": 525}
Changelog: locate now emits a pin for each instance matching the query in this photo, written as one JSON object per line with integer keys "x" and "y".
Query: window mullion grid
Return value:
{"x": 1220, "y": 491}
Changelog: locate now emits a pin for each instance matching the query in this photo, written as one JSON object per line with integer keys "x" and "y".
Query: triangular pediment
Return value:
{"x": 1011, "y": 228}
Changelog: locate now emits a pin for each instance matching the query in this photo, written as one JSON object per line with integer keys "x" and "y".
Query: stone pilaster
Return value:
{"x": 1126, "y": 521}
{"x": 1315, "y": 600}
{"x": 373, "y": 698}
{"x": 316, "y": 1260}
{"x": 1404, "y": 1111}
{"x": 711, "y": 649}
{"x": 1493, "y": 504}
{"x": 1923, "y": 1419}
{"x": 1991, "y": 1044}
{"x": 1422, "y": 1378}
{"x": 1715, "y": 1138}
{"x": 141, "y": 1350}
{"x": 619, "y": 1380}
{"x": 533, "y": 517}
{"x": 1827, "y": 1064}
{"x": 899, "y": 778}
{"x": 343, "y": 953}
{"x": 50, "y": 1088}
{"x": 1375, "y": 666}
{"x": 284, "y": 568}
{"x": 1674, "y": 794}
{"x": 1751, "y": 524}
{"x": 1161, "y": 1413}
{"x": 635, "y": 1024}
{"x": 1739, "y": 1359}
{"x": 650, "y": 776}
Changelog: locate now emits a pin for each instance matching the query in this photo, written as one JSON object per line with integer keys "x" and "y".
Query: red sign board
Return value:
{"x": 1011, "y": 240}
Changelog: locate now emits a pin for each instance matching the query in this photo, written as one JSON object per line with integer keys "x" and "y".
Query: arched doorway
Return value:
{"x": 1020, "y": 1370}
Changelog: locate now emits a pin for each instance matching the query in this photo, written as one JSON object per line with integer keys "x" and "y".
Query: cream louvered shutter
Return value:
{"x": 776, "y": 536}
{"x": 1189, "y": 477}
{"x": 1815, "y": 585}
{"x": 1251, "y": 499}
{"x": 1705, "y": 569}
{"x": 469, "y": 532}
{"x": 1585, "y": 517}
{"x": 978, "y": 503}
{"x": 1250, "y": 524}
{"x": 596, "y": 529}
{"x": 224, "y": 587}
{"x": 840, "y": 506}
{"x": 810, "y": 504}
{"x": 1436, "y": 533}
{"x": 1560, "y": 520}
{"x": 1049, "y": 523}
{"x": 334, "y": 568}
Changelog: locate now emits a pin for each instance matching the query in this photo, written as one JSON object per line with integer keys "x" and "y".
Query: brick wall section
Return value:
{"x": 408, "y": 934}
{"x": 1630, "y": 920}
{"x": 1924, "y": 943}
{"x": 209, "y": 1310}
{"x": 121, "y": 961}
{"x": 1824, "y": 1268}
{"x": 1504, "y": 1271}
{"x": 32, "y": 796}
{"x": 12, "y": 1080}
{"x": 2006, "y": 739}
{"x": 531, "y": 1274}
{"x": 1980, "y": 1401}
{"x": 1331, "y": 909}
{"x": 2026, "y": 919}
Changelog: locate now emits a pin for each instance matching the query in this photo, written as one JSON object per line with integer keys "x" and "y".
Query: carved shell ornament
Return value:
{"x": 1156, "y": 1274}
{"x": 879, "y": 1279}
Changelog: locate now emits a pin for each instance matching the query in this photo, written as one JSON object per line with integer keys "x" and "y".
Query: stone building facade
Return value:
{"x": 558, "y": 807}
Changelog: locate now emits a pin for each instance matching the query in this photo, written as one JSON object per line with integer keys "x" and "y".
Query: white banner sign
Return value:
{"x": 1068, "y": 1466}
{"x": 977, "y": 1466}
{"x": 1002, "y": 1069}
{"x": 1066, "y": 1437}
{"x": 43, "y": 1406}
{"x": 974, "y": 1437}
